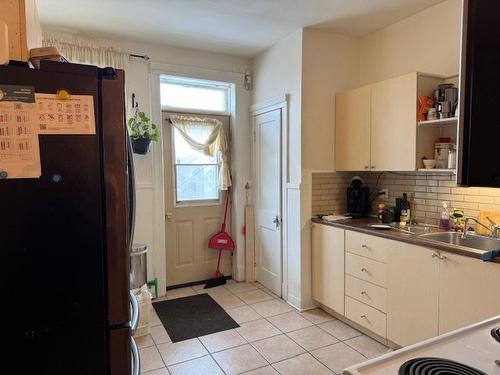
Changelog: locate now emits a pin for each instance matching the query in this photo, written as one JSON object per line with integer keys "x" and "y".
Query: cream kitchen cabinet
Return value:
{"x": 376, "y": 125}
{"x": 393, "y": 124}
{"x": 353, "y": 112}
{"x": 412, "y": 293}
{"x": 468, "y": 291}
{"x": 25, "y": 32}
{"x": 328, "y": 266}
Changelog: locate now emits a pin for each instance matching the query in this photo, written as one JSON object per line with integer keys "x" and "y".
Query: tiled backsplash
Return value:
{"x": 426, "y": 192}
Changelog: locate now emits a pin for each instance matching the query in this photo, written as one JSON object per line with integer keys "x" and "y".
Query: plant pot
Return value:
{"x": 141, "y": 146}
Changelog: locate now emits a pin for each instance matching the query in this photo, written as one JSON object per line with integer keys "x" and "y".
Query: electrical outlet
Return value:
{"x": 383, "y": 194}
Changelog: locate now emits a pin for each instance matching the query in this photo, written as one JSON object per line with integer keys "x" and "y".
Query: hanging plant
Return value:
{"x": 142, "y": 132}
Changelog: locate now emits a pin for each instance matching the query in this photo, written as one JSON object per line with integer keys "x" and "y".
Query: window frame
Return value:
{"x": 195, "y": 202}
{"x": 197, "y": 83}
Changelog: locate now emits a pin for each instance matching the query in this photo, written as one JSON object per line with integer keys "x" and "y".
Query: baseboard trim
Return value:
{"x": 194, "y": 283}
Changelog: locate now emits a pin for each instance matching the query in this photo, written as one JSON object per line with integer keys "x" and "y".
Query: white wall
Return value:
{"x": 427, "y": 42}
{"x": 149, "y": 168}
{"x": 330, "y": 65}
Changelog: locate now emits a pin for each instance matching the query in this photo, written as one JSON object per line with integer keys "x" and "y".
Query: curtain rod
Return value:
{"x": 144, "y": 57}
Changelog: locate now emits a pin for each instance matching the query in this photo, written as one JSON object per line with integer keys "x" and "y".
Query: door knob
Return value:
{"x": 277, "y": 221}
{"x": 169, "y": 215}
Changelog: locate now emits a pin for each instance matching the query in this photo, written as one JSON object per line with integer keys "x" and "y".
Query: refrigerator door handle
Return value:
{"x": 136, "y": 360}
{"x": 134, "y": 306}
{"x": 131, "y": 184}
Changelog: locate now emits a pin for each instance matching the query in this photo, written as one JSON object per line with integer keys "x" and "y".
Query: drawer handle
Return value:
{"x": 363, "y": 293}
{"x": 365, "y": 247}
{"x": 364, "y": 270}
{"x": 364, "y": 317}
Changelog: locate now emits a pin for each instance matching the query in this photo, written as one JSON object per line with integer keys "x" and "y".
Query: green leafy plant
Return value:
{"x": 141, "y": 127}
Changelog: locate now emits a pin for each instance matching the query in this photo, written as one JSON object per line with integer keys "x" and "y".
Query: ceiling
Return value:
{"x": 237, "y": 27}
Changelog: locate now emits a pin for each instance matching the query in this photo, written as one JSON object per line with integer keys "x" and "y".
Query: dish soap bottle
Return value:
{"x": 405, "y": 209}
{"x": 444, "y": 221}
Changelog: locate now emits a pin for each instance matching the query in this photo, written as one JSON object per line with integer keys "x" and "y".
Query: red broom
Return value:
{"x": 221, "y": 241}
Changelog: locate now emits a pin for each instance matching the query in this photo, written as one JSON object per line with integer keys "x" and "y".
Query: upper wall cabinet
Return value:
{"x": 25, "y": 32}
{"x": 353, "y": 125}
{"x": 393, "y": 124}
{"x": 376, "y": 125}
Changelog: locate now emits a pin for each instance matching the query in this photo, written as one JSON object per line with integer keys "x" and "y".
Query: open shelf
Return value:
{"x": 441, "y": 171}
{"x": 442, "y": 121}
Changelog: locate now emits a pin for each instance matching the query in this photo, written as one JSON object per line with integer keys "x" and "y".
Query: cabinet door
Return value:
{"x": 352, "y": 130}
{"x": 468, "y": 291}
{"x": 412, "y": 295}
{"x": 394, "y": 124}
{"x": 25, "y": 32}
{"x": 328, "y": 266}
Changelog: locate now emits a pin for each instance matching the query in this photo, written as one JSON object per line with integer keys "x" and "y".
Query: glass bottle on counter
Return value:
{"x": 444, "y": 221}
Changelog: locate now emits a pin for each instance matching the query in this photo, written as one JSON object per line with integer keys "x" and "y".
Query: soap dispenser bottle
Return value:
{"x": 444, "y": 221}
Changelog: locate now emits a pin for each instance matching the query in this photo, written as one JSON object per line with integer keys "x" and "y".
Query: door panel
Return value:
{"x": 394, "y": 124}
{"x": 352, "y": 126}
{"x": 188, "y": 228}
{"x": 268, "y": 199}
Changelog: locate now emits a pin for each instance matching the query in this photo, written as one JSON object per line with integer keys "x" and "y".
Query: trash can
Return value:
{"x": 138, "y": 266}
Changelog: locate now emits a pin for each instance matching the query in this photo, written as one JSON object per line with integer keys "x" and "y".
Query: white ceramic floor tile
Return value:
{"x": 367, "y": 346}
{"x": 154, "y": 320}
{"x": 200, "y": 366}
{"x": 304, "y": 364}
{"x": 317, "y": 316}
{"x": 268, "y": 370}
{"x": 217, "y": 291}
{"x": 254, "y": 296}
{"x": 161, "y": 371}
{"x": 243, "y": 314}
{"x": 159, "y": 335}
{"x": 312, "y": 338}
{"x": 237, "y": 288}
{"x": 222, "y": 340}
{"x": 240, "y": 359}
{"x": 271, "y": 308}
{"x": 340, "y": 330}
{"x": 338, "y": 356}
{"x": 144, "y": 341}
{"x": 181, "y": 351}
{"x": 150, "y": 359}
{"x": 228, "y": 301}
{"x": 277, "y": 348}
{"x": 257, "y": 330}
{"x": 180, "y": 293}
{"x": 290, "y": 321}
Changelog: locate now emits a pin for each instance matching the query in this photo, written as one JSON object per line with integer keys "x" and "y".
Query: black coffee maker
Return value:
{"x": 358, "y": 204}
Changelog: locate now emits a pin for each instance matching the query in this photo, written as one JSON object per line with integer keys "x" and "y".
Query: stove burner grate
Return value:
{"x": 495, "y": 333}
{"x": 430, "y": 366}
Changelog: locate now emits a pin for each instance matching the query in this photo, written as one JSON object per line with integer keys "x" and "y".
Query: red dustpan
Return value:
{"x": 221, "y": 241}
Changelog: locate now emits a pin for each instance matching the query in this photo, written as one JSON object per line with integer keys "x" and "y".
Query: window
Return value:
{"x": 196, "y": 174}
{"x": 188, "y": 94}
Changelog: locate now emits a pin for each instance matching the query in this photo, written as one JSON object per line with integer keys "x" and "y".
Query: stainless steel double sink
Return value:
{"x": 471, "y": 241}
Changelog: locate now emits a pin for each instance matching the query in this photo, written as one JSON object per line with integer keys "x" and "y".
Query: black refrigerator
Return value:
{"x": 65, "y": 239}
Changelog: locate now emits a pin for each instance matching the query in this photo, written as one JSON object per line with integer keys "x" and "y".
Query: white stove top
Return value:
{"x": 473, "y": 346}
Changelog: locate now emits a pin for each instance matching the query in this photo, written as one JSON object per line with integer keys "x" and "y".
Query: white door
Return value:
{"x": 268, "y": 200}
{"x": 192, "y": 215}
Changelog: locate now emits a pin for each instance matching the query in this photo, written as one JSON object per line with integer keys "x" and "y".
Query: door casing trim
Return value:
{"x": 279, "y": 102}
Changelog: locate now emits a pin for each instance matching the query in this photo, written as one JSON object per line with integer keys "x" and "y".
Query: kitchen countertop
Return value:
{"x": 362, "y": 226}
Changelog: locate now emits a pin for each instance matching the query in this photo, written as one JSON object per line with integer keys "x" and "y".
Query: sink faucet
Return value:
{"x": 495, "y": 229}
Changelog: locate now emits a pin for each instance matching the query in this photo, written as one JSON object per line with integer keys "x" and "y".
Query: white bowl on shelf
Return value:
{"x": 429, "y": 163}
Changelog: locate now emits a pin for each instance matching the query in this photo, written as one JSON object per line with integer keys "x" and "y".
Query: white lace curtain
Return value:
{"x": 81, "y": 52}
{"x": 214, "y": 144}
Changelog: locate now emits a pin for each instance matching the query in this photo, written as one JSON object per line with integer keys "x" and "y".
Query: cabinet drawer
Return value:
{"x": 368, "y": 246}
{"x": 370, "y": 294}
{"x": 366, "y": 316}
{"x": 366, "y": 269}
